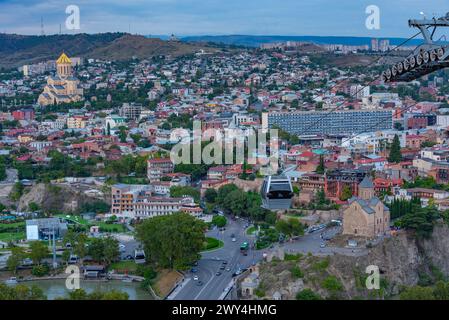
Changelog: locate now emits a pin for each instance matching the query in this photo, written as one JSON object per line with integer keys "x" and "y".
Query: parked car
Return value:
{"x": 199, "y": 283}
{"x": 222, "y": 267}
{"x": 195, "y": 278}
{"x": 218, "y": 273}
{"x": 194, "y": 270}
{"x": 322, "y": 245}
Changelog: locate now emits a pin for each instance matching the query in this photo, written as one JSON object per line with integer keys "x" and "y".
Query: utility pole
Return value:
{"x": 55, "y": 264}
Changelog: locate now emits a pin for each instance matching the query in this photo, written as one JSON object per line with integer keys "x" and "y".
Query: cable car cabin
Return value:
{"x": 276, "y": 192}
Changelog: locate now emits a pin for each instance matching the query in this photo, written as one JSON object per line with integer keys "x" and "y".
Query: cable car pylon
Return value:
{"x": 426, "y": 58}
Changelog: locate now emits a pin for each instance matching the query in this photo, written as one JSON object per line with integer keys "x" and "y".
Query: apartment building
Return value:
{"x": 139, "y": 201}
{"x": 325, "y": 122}
{"x": 157, "y": 168}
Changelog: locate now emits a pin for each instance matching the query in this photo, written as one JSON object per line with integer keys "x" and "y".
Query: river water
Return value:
{"x": 56, "y": 288}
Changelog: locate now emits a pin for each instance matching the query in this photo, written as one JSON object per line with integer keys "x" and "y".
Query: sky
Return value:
{"x": 219, "y": 17}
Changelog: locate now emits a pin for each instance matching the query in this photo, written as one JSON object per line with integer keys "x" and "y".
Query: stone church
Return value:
{"x": 63, "y": 87}
{"x": 366, "y": 215}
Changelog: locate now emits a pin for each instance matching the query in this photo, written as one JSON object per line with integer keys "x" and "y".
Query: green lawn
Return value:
{"x": 76, "y": 219}
{"x": 250, "y": 230}
{"x": 9, "y": 226}
{"x": 121, "y": 266}
{"x": 7, "y": 236}
{"x": 104, "y": 227}
{"x": 212, "y": 244}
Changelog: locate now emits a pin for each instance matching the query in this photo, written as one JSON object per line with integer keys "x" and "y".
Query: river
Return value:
{"x": 56, "y": 288}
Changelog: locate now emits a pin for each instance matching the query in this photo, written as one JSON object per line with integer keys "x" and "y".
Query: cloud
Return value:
{"x": 187, "y": 17}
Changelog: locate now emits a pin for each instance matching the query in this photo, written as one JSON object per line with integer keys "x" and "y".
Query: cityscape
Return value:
{"x": 233, "y": 168}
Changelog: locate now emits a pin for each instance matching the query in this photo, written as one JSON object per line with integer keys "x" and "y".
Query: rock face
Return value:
{"x": 53, "y": 198}
{"x": 402, "y": 260}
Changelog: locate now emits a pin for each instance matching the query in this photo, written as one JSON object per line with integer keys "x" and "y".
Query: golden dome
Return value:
{"x": 63, "y": 59}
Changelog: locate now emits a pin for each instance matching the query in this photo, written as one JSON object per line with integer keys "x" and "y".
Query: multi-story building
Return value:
{"x": 336, "y": 180}
{"x": 157, "y": 168}
{"x": 323, "y": 123}
{"x": 138, "y": 201}
{"x": 76, "y": 122}
{"x": 131, "y": 111}
{"x": 24, "y": 114}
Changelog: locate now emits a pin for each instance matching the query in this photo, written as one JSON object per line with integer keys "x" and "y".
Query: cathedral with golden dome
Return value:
{"x": 63, "y": 87}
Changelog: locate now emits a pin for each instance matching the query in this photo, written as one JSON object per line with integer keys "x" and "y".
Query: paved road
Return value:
{"x": 311, "y": 243}
{"x": 210, "y": 262}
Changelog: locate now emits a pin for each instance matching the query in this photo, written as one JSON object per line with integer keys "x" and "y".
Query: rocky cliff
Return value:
{"x": 403, "y": 261}
{"x": 54, "y": 198}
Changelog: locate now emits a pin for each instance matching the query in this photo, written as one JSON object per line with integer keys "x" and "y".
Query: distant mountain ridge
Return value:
{"x": 256, "y": 41}
{"x": 17, "y": 50}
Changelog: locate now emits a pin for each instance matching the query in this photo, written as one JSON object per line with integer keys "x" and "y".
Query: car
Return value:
{"x": 195, "y": 263}
{"x": 225, "y": 262}
{"x": 194, "y": 270}
{"x": 222, "y": 267}
{"x": 232, "y": 235}
{"x": 218, "y": 273}
{"x": 129, "y": 257}
{"x": 199, "y": 283}
{"x": 195, "y": 278}
{"x": 228, "y": 269}
{"x": 234, "y": 239}
{"x": 322, "y": 245}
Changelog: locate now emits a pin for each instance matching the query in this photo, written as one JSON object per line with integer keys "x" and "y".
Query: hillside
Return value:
{"x": 402, "y": 261}
{"x": 17, "y": 50}
{"x": 257, "y": 40}
{"x": 127, "y": 46}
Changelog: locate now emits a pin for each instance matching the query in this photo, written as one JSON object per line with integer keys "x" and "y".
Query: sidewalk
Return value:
{"x": 175, "y": 292}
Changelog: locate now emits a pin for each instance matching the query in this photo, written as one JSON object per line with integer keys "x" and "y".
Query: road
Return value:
{"x": 311, "y": 243}
{"x": 210, "y": 262}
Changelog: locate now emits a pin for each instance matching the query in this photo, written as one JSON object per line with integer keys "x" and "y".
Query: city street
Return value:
{"x": 213, "y": 286}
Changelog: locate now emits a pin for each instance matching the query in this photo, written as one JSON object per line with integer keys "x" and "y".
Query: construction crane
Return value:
{"x": 426, "y": 58}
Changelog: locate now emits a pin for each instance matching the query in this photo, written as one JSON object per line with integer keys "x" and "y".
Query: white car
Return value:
{"x": 234, "y": 239}
{"x": 195, "y": 278}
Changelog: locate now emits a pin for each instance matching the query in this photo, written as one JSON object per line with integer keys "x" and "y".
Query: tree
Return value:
{"x": 395, "y": 155}
{"x": 321, "y": 168}
{"x": 210, "y": 195}
{"x": 33, "y": 207}
{"x": 65, "y": 256}
{"x": 39, "y": 251}
{"x": 219, "y": 221}
{"x": 15, "y": 259}
{"x": 110, "y": 250}
{"x": 172, "y": 241}
{"x": 346, "y": 193}
{"x": 179, "y": 191}
{"x": 307, "y": 294}
{"x": 417, "y": 293}
{"x": 96, "y": 248}
{"x": 21, "y": 292}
